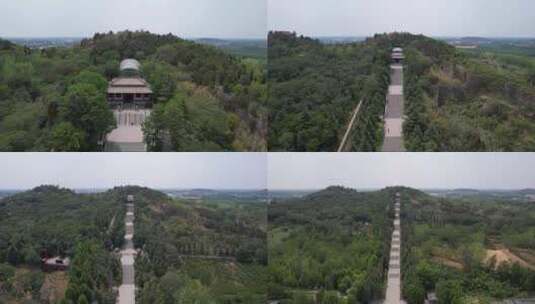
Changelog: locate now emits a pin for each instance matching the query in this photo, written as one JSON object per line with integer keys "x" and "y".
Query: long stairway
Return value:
{"x": 127, "y": 290}
{"x": 393, "y": 289}
{"x": 393, "y": 140}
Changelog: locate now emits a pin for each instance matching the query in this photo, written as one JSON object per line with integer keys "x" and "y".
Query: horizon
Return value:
{"x": 420, "y": 189}
{"x": 481, "y": 18}
{"x": 415, "y": 170}
{"x": 91, "y": 36}
{"x": 153, "y": 170}
{"x": 202, "y": 18}
{"x": 412, "y": 33}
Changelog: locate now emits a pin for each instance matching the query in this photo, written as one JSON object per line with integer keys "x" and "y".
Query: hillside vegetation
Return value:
{"x": 331, "y": 246}
{"x": 471, "y": 250}
{"x": 314, "y": 87}
{"x": 206, "y": 99}
{"x": 201, "y": 252}
{"x": 459, "y": 100}
{"x": 49, "y": 221}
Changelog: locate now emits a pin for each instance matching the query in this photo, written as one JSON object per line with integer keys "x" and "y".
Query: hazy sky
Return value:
{"x": 489, "y": 18}
{"x": 82, "y": 18}
{"x": 418, "y": 170}
{"x": 157, "y": 170}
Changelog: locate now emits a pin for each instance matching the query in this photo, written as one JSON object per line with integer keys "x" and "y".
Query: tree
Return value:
{"x": 414, "y": 291}
{"x": 65, "y": 137}
{"x": 449, "y": 292}
{"x": 86, "y": 109}
{"x": 92, "y": 78}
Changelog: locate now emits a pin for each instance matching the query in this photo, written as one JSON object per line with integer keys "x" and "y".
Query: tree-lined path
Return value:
{"x": 393, "y": 140}
{"x": 127, "y": 290}
{"x": 393, "y": 289}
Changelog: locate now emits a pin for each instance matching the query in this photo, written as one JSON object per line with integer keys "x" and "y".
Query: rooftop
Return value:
{"x": 133, "y": 85}
{"x": 57, "y": 261}
{"x": 130, "y": 64}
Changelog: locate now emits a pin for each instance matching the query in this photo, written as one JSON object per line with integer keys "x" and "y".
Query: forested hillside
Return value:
{"x": 314, "y": 87}
{"x": 206, "y": 99}
{"x": 212, "y": 251}
{"x": 331, "y": 245}
{"x": 455, "y": 100}
{"x": 476, "y": 100}
{"x": 49, "y": 221}
{"x": 470, "y": 250}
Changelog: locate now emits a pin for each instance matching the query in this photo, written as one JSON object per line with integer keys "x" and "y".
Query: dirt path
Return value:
{"x": 504, "y": 255}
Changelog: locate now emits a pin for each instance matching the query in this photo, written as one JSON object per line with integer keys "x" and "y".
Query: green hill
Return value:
{"x": 206, "y": 99}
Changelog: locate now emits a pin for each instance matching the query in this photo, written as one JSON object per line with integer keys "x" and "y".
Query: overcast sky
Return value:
{"x": 82, "y": 18}
{"x": 156, "y": 170}
{"x": 418, "y": 170}
{"x": 488, "y": 18}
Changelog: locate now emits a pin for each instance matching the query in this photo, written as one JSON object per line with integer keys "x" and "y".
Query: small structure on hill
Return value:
{"x": 130, "y": 198}
{"x": 55, "y": 264}
{"x": 129, "y": 89}
{"x": 397, "y": 55}
{"x": 431, "y": 298}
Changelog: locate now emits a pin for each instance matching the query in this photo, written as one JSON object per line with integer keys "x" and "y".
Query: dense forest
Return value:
{"x": 213, "y": 251}
{"x": 209, "y": 251}
{"x": 456, "y": 99}
{"x": 329, "y": 247}
{"x": 314, "y": 87}
{"x": 54, "y": 99}
{"x": 468, "y": 250}
{"x": 467, "y": 100}
{"x": 49, "y": 221}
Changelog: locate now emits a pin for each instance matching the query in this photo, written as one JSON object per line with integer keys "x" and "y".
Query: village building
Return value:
{"x": 129, "y": 90}
{"x": 55, "y": 264}
{"x": 397, "y": 55}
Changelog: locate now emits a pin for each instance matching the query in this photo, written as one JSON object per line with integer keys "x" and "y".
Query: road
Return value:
{"x": 393, "y": 140}
{"x": 127, "y": 290}
{"x": 128, "y": 136}
{"x": 393, "y": 288}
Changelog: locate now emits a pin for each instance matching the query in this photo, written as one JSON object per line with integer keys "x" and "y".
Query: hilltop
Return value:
{"x": 455, "y": 99}
{"x": 176, "y": 239}
{"x": 55, "y": 98}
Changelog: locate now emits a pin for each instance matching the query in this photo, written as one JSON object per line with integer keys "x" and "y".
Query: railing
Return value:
{"x": 349, "y": 128}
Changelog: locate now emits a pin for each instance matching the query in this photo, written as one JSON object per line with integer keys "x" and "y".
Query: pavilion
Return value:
{"x": 129, "y": 89}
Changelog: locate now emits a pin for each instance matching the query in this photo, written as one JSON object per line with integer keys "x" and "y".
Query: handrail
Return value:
{"x": 350, "y": 127}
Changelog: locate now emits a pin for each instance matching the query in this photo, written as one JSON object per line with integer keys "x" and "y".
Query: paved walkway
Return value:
{"x": 393, "y": 141}
{"x": 393, "y": 289}
{"x": 128, "y": 136}
{"x": 127, "y": 290}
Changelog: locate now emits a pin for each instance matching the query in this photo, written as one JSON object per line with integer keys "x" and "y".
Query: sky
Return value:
{"x": 484, "y": 18}
{"x": 82, "y": 18}
{"x": 156, "y": 170}
{"x": 304, "y": 171}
